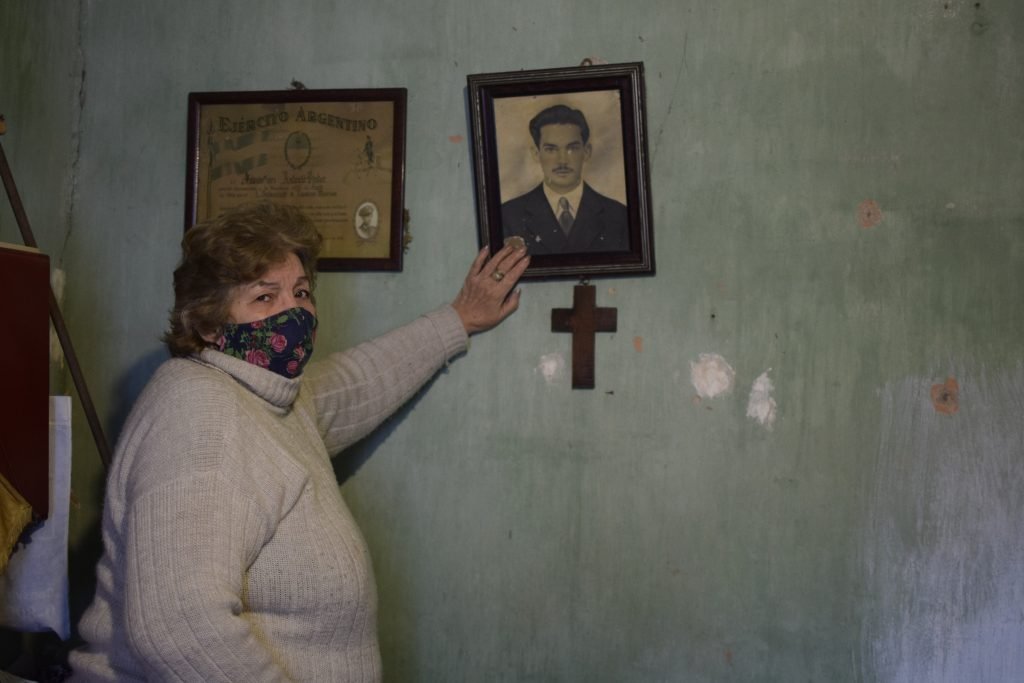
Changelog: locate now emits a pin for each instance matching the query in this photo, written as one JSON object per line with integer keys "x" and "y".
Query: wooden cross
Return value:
{"x": 583, "y": 320}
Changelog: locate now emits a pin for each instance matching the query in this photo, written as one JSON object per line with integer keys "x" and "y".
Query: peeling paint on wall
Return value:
{"x": 711, "y": 375}
{"x": 869, "y": 214}
{"x": 638, "y": 344}
{"x": 455, "y": 139}
{"x": 551, "y": 367}
{"x": 761, "y": 406}
{"x": 941, "y": 548}
{"x": 946, "y": 396}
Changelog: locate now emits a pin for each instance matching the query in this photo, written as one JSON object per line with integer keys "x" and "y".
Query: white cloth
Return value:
{"x": 34, "y": 589}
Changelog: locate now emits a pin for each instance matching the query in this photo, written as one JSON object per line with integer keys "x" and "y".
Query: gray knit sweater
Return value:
{"x": 229, "y": 554}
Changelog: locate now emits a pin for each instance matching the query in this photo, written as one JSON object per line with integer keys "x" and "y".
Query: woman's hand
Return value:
{"x": 486, "y": 297}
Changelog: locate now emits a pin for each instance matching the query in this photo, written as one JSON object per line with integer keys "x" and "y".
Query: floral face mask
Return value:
{"x": 281, "y": 343}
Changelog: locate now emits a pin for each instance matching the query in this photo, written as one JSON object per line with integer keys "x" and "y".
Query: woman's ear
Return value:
{"x": 211, "y": 336}
{"x": 208, "y": 336}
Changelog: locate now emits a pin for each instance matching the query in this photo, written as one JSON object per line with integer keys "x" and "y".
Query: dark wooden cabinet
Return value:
{"x": 25, "y": 373}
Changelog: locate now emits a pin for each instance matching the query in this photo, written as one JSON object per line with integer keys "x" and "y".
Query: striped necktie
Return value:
{"x": 564, "y": 215}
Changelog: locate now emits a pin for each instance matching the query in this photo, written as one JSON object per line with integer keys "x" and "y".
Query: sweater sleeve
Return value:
{"x": 187, "y": 545}
{"x": 355, "y": 390}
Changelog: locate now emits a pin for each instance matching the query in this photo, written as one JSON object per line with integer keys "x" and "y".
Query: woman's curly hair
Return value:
{"x": 234, "y": 249}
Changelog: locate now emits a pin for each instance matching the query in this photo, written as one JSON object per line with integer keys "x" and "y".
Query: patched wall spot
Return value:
{"x": 761, "y": 406}
{"x": 551, "y": 367}
{"x": 711, "y": 375}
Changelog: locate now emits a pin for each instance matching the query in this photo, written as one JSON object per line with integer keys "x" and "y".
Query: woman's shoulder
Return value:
{"x": 178, "y": 405}
{"x": 188, "y": 384}
{"x": 187, "y": 422}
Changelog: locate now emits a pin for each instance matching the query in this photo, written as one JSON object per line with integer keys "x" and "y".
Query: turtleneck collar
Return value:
{"x": 275, "y": 389}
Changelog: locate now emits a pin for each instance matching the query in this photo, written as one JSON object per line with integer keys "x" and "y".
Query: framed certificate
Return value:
{"x": 339, "y": 155}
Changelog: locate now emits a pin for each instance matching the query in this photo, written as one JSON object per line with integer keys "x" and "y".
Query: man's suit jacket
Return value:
{"x": 602, "y": 224}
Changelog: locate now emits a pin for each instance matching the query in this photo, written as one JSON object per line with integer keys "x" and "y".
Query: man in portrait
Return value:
{"x": 563, "y": 214}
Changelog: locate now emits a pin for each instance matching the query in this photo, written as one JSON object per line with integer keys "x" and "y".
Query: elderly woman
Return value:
{"x": 229, "y": 554}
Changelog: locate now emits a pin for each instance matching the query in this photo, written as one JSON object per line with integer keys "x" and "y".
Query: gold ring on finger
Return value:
{"x": 498, "y": 276}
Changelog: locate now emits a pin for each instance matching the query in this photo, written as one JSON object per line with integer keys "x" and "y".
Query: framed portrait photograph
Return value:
{"x": 339, "y": 155}
{"x": 560, "y": 161}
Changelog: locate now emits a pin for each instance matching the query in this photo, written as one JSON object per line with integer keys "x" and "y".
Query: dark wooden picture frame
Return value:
{"x": 615, "y": 235}
{"x": 337, "y": 154}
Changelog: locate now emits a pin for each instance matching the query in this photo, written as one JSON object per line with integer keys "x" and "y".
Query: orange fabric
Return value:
{"x": 15, "y": 515}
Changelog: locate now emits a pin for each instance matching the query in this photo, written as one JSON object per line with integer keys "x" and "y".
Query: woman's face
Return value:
{"x": 282, "y": 287}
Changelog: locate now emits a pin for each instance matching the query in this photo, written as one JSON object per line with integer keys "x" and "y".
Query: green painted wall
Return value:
{"x": 522, "y": 531}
